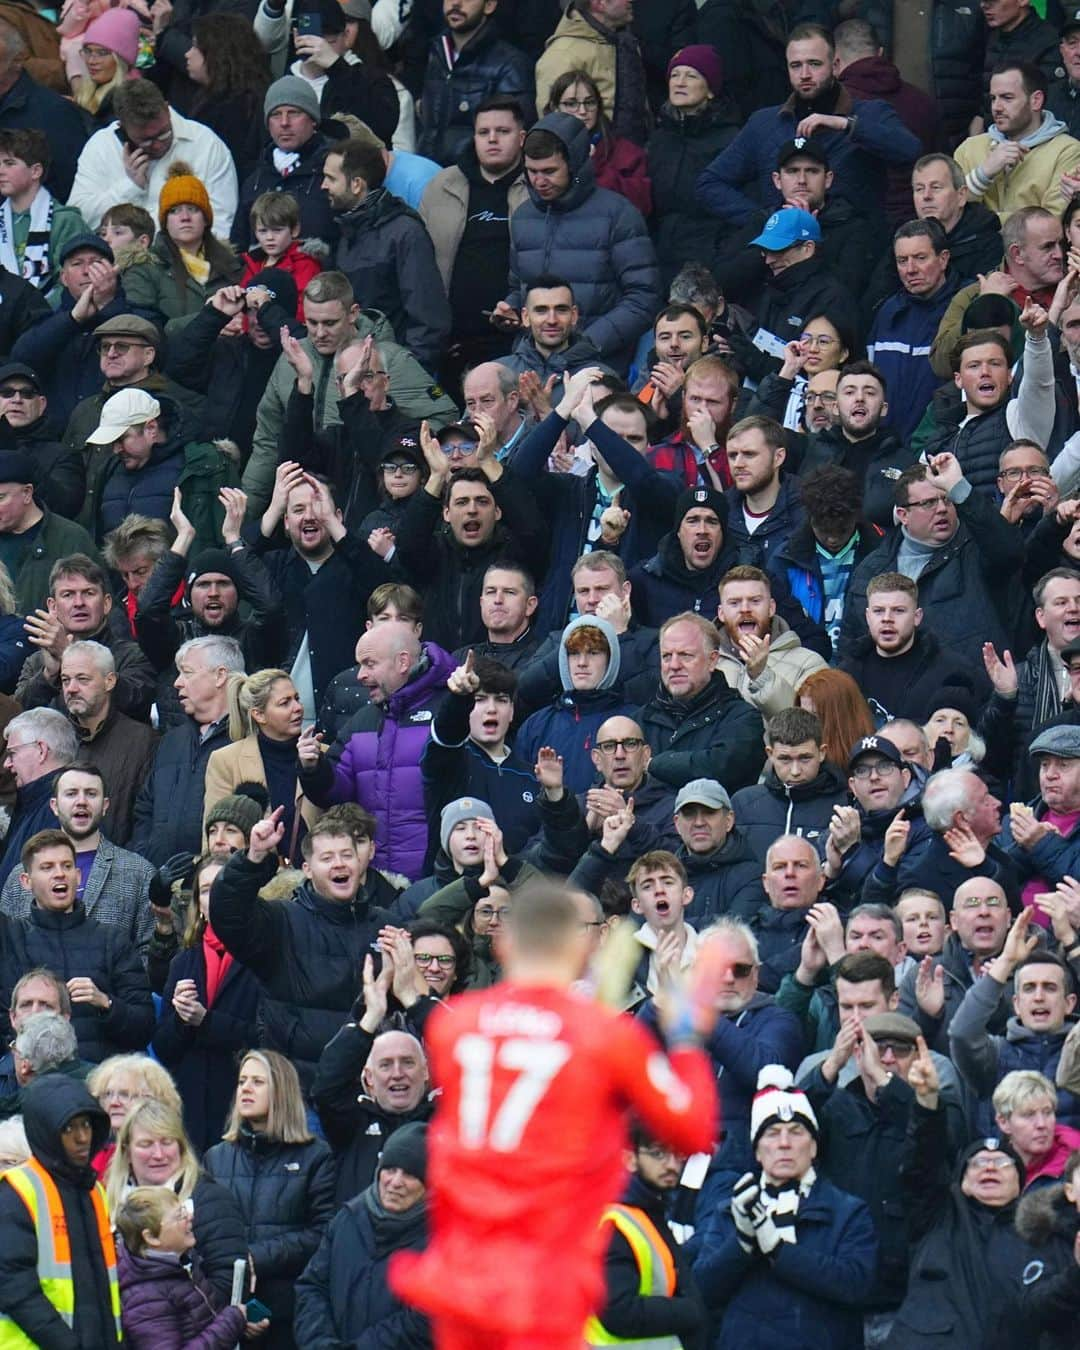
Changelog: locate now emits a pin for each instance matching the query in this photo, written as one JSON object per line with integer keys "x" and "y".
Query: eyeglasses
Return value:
{"x": 659, "y": 1154}
{"x": 487, "y": 913}
{"x": 459, "y": 449}
{"x": 163, "y": 137}
{"x": 110, "y": 348}
{"x": 927, "y": 503}
{"x": 578, "y": 104}
{"x": 813, "y": 396}
{"x": 997, "y": 1162}
{"x": 742, "y": 970}
{"x": 901, "y": 1049}
{"x": 430, "y": 959}
{"x": 817, "y": 340}
{"x": 117, "y": 1095}
{"x": 17, "y": 391}
{"x": 95, "y": 53}
{"x": 407, "y": 470}
{"x": 1014, "y": 475}
{"x": 884, "y": 768}
{"x": 980, "y": 902}
{"x": 625, "y": 743}
{"x": 14, "y": 749}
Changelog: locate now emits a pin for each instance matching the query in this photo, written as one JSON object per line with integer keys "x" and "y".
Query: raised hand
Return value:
{"x": 45, "y": 632}
{"x": 868, "y": 1058}
{"x": 1002, "y": 671}
{"x": 923, "y": 1077}
{"x": 1033, "y": 318}
{"x": 812, "y": 959}
{"x": 743, "y": 1199}
{"x": 1027, "y": 829}
{"x": 847, "y": 1038}
{"x": 615, "y": 608}
{"x": 488, "y": 440}
{"x": 945, "y": 470}
{"x": 376, "y": 989}
{"x": 548, "y": 771}
{"x": 300, "y": 361}
{"x": 266, "y": 835}
{"x": 437, "y": 461}
{"x": 896, "y": 838}
{"x": 464, "y": 680}
{"x": 616, "y": 828}
{"x": 930, "y": 987}
{"x": 828, "y": 927}
{"x": 963, "y": 847}
{"x": 536, "y": 396}
{"x": 668, "y": 957}
{"x": 353, "y": 379}
{"x": 228, "y": 300}
{"x": 575, "y": 389}
{"x": 309, "y": 747}
{"x": 794, "y": 359}
{"x": 287, "y": 476}
{"x": 234, "y": 500}
{"x": 381, "y": 540}
{"x": 1069, "y": 889}
{"x": 1018, "y": 944}
{"x": 754, "y": 651}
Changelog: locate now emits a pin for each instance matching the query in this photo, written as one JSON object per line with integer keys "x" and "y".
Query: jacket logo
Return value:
{"x": 424, "y": 715}
{"x": 292, "y": 1167}
{"x": 1033, "y": 1271}
{"x": 528, "y": 797}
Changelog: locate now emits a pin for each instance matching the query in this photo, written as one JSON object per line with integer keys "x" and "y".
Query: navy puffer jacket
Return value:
{"x": 596, "y": 241}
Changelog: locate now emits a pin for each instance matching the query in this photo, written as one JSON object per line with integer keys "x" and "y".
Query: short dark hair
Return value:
{"x": 347, "y": 820}
{"x": 915, "y": 473}
{"x": 919, "y": 229}
{"x": 627, "y": 403}
{"x": 470, "y": 474}
{"x": 1031, "y": 77}
{"x": 981, "y": 337}
{"x": 510, "y": 565}
{"x": 1047, "y": 958}
{"x": 408, "y": 603}
{"x": 548, "y": 281}
{"x": 500, "y": 103}
{"x": 542, "y": 144}
{"x": 137, "y": 102}
{"x": 494, "y": 677}
{"x": 792, "y": 726}
{"x": 27, "y": 144}
{"x": 91, "y": 769}
{"x": 831, "y": 494}
{"x": 360, "y": 160}
{"x": 803, "y": 32}
{"x": 863, "y": 368}
{"x": 426, "y": 928}
{"x": 78, "y": 565}
{"x": 676, "y": 311}
{"x": 862, "y": 967}
{"x": 38, "y": 843}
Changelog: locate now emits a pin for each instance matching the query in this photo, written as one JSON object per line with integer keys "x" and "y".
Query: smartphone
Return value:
{"x": 309, "y": 25}
{"x": 256, "y": 1311}
{"x": 118, "y": 132}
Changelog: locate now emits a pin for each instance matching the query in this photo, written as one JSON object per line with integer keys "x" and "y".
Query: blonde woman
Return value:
{"x": 265, "y": 719}
{"x": 104, "y": 62}
{"x": 282, "y": 1177}
{"x": 119, "y": 1084}
{"x": 153, "y": 1150}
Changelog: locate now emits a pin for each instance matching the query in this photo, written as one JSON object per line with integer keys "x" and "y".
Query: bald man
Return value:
{"x": 492, "y": 388}
{"x": 376, "y": 759}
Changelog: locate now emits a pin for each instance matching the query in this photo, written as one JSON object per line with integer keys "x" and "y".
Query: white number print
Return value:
{"x": 535, "y": 1062}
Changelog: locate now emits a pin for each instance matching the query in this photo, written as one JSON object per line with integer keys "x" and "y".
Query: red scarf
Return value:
{"x": 218, "y": 961}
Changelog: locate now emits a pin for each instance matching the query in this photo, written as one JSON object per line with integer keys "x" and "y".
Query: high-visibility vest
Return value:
{"x": 37, "y": 1190}
{"x": 656, "y": 1272}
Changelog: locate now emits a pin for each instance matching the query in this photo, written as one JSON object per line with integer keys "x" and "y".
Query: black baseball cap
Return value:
{"x": 801, "y": 145}
{"x": 1071, "y": 22}
{"x": 874, "y": 745}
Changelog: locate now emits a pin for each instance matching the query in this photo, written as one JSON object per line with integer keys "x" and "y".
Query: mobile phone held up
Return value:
{"x": 309, "y": 25}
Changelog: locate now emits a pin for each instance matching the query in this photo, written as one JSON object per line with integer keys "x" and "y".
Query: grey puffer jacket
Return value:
{"x": 596, "y": 241}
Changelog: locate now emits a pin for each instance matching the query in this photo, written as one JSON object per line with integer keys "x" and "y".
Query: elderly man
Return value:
{"x": 492, "y": 388}
{"x": 1042, "y": 839}
{"x": 697, "y": 726}
{"x": 376, "y": 760}
{"x": 793, "y": 880}
{"x": 53, "y": 536}
{"x": 38, "y": 991}
{"x": 720, "y": 862}
{"x": 38, "y": 743}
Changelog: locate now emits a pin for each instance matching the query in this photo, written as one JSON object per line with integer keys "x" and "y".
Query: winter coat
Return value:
{"x": 169, "y": 807}
{"x": 306, "y": 952}
{"x": 286, "y": 1195}
{"x": 779, "y": 934}
{"x": 123, "y": 750}
{"x": 809, "y": 1293}
{"x": 59, "y": 469}
{"x": 29, "y": 104}
{"x": 444, "y": 209}
{"x": 152, "y": 287}
{"x": 959, "y": 978}
{"x": 242, "y": 762}
{"x": 48, "y": 1104}
{"x": 935, "y": 668}
{"x": 578, "y": 45}
{"x": 22, "y": 306}
{"x": 31, "y": 813}
{"x": 788, "y": 664}
{"x": 579, "y": 352}
{"x": 376, "y": 762}
{"x": 639, "y": 665}
{"x": 1046, "y": 1281}
{"x": 857, "y": 159}
{"x": 168, "y": 1306}
{"x": 1053, "y": 858}
{"x": 863, "y": 862}
{"x": 203, "y": 1059}
{"x": 300, "y": 264}
{"x": 1035, "y": 180}
{"x": 725, "y": 881}
{"x": 76, "y": 946}
{"x": 769, "y": 809}
{"x": 484, "y": 66}
{"x": 620, "y": 166}
{"x": 663, "y": 585}
{"x": 56, "y": 538}
{"x": 786, "y": 516}
{"x": 450, "y": 575}
{"x": 974, "y": 245}
{"x": 133, "y": 694}
{"x": 680, "y": 148}
{"x": 304, "y": 183}
{"x": 593, "y": 239}
{"x": 355, "y": 1125}
{"x": 1033, "y": 39}
{"x": 968, "y": 589}
{"x": 899, "y": 345}
{"x": 740, "y": 1045}
{"x": 344, "y": 1297}
{"x": 388, "y": 257}
{"x": 714, "y": 734}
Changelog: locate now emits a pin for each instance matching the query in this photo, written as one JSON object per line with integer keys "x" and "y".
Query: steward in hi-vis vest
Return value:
{"x": 652, "y": 1301}
{"x": 58, "y": 1286}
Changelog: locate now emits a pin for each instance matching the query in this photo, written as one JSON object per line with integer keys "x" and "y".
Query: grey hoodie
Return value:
{"x": 610, "y": 636}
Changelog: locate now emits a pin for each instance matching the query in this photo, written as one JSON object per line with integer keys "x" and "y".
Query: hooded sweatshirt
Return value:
{"x": 1035, "y": 181}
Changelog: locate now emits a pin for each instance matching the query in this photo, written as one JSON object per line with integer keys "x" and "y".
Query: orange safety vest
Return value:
{"x": 656, "y": 1270}
{"x": 37, "y": 1190}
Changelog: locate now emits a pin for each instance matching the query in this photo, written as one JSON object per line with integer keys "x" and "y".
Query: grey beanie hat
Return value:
{"x": 291, "y": 90}
{"x": 453, "y": 813}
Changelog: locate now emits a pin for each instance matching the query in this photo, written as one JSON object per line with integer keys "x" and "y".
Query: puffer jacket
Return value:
{"x": 596, "y": 241}
{"x": 1047, "y": 1278}
{"x": 725, "y": 881}
{"x": 570, "y": 724}
{"x": 286, "y": 1195}
{"x": 376, "y": 762}
{"x": 484, "y": 66}
{"x": 150, "y": 284}
{"x": 860, "y": 861}
{"x": 75, "y": 946}
{"x": 715, "y": 734}
{"x": 663, "y": 585}
{"x": 168, "y": 1306}
{"x": 788, "y": 664}
{"x": 356, "y": 1126}
{"x": 680, "y": 149}
{"x": 307, "y": 952}
{"x": 779, "y": 934}
{"x": 388, "y": 256}
{"x": 169, "y": 807}
{"x": 769, "y": 809}
{"x": 343, "y": 1297}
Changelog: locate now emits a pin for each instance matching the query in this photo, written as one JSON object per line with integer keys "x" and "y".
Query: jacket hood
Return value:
{"x": 429, "y": 675}
{"x": 611, "y": 675}
{"x": 828, "y": 783}
{"x": 574, "y": 136}
{"x": 1045, "y": 1213}
{"x": 48, "y": 1103}
{"x": 871, "y": 77}
{"x": 669, "y": 562}
{"x": 1050, "y": 127}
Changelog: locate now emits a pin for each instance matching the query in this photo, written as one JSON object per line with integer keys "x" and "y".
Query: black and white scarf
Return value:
{"x": 782, "y": 1202}
{"x": 35, "y": 266}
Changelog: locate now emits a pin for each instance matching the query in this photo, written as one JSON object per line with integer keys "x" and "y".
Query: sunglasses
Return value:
{"x": 17, "y": 391}
{"x": 742, "y": 970}
{"x": 901, "y": 1049}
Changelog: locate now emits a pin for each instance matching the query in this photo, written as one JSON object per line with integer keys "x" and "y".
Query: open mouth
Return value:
{"x": 702, "y": 548}
{"x": 663, "y": 909}
{"x": 340, "y": 878}
{"x": 309, "y": 532}
{"x": 490, "y": 726}
{"x": 471, "y": 529}
{"x": 213, "y": 609}
{"x": 984, "y": 931}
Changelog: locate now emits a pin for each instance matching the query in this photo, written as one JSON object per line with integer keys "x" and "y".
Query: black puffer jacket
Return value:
{"x": 1047, "y": 1279}
{"x": 356, "y": 1126}
{"x": 73, "y": 945}
{"x": 877, "y": 462}
{"x": 715, "y": 734}
{"x": 286, "y": 1196}
{"x": 486, "y": 65}
{"x": 48, "y": 1104}
{"x": 663, "y": 585}
{"x": 725, "y": 881}
{"x": 769, "y": 809}
{"x": 679, "y": 150}
{"x": 1033, "y": 40}
{"x": 307, "y": 952}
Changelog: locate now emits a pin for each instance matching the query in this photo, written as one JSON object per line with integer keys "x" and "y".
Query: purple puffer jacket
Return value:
{"x": 376, "y": 762}
{"x": 164, "y": 1307}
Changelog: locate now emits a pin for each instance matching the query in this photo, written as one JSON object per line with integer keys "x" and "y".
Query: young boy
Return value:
{"x": 34, "y": 227}
{"x": 660, "y": 894}
{"x": 128, "y": 230}
{"x": 275, "y": 223}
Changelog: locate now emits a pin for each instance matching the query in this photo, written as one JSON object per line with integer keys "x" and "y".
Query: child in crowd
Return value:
{"x": 275, "y": 223}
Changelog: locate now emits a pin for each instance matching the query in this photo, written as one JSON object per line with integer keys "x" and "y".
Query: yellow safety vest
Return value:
{"x": 656, "y": 1271}
{"x": 37, "y": 1190}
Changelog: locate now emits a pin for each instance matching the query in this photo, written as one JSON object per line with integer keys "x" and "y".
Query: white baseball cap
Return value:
{"x": 124, "y": 410}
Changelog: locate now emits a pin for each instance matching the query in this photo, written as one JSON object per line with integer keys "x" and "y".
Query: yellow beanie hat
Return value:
{"x": 181, "y": 186}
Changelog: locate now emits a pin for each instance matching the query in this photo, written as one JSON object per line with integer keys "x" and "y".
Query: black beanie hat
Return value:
{"x": 701, "y": 496}
{"x": 954, "y": 696}
{"x": 407, "y": 1148}
{"x": 280, "y": 284}
{"x": 211, "y": 560}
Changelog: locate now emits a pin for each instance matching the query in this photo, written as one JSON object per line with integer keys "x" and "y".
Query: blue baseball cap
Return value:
{"x": 787, "y": 227}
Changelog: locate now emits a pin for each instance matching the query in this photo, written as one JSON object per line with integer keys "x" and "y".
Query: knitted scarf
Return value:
{"x": 1047, "y": 689}
{"x": 782, "y": 1202}
{"x": 34, "y": 267}
{"x": 630, "y": 115}
{"x": 218, "y": 961}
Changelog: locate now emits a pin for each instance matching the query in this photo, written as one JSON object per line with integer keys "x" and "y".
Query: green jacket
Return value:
{"x": 411, "y": 388}
{"x": 56, "y": 538}
{"x": 67, "y": 224}
{"x": 149, "y": 284}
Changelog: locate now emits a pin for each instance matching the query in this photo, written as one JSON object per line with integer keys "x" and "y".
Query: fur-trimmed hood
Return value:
{"x": 1045, "y": 1213}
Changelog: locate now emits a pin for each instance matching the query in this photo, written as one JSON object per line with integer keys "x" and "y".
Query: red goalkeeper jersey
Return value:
{"x": 525, "y": 1150}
